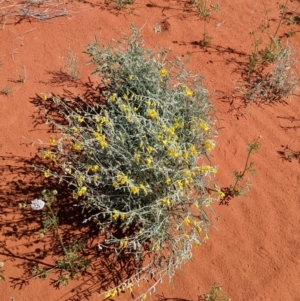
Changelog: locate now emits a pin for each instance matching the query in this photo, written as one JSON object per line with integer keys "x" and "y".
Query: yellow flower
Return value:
{"x": 97, "y": 135}
{"x": 95, "y": 168}
{"x": 152, "y": 114}
{"x": 188, "y": 92}
{"x": 77, "y": 147}
{"x": 171, "y": 152}
{"x": 107, "y": 295}
{"x": 137, "y": 158}
{"x": 192, "y": 150}
{"x": 112, "y": 97}
{"x": 115, "y": 185}
{"x": 163, "y": 72}
{"x": 166, "y": 201}
{"x": 122, "y": 179}
{"x": 168, "y": 181}
{"x": 204, "y": 126}
{"x": 116, "y": 215}
{"x": 196, "y": 205}
{"x": 171, "y": 131}
{"x": 215, "y": 170}
{"x": 196, "y": 244}
{"x": 44, "y": 96}
{"x": 134, "y": 190}
{"x": 204, "y": 168}
{"x": 130, "y": 77}
{"x": 124, "y": 242}
{"x": 47, "y": 173}
{"x": 179, "y": 184}
{"x": 185, "y": 156}
{"x": 47, "y": 155}
{"x": 80, "y": 119}
{"x": 51, "y": 141}
{"x": 142, "y": 186}
{"x": 176, "y": 124}
{"x": 81, "y": 191}
{"x": 199, "y": 229}
{"x": 186, "y": 235}
{"x": 144, "y": 297}
{"x": 148, "y": 162}
{"x": 187, "y": 221}
{"x": 149, "y": 149}
{"x": 103, "y": 142}
{"x": 209, "y": 144}
{"x": 220, "y": 193}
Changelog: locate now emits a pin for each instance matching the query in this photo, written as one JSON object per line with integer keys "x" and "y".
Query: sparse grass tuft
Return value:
{"x": 281, "y": 82}
{"x": 5, "y": 91}
{"x": 71, "y": 67}
{"x": 215, "y": 294}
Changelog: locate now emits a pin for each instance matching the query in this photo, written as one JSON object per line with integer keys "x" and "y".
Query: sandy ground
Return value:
{"x": 254, "y": 254}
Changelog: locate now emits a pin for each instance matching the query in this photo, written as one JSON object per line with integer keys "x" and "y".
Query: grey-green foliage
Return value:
{"x": 130, "y": 156}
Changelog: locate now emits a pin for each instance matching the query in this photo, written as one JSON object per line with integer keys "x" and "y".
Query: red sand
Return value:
{"x": 254, "y": 254}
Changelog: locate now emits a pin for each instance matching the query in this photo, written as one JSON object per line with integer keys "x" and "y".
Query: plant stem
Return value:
{"x": 54, "y": 220}
{"x": 253, "y": 146}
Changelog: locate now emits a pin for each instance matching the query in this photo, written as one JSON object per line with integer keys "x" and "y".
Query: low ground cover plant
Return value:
{"x": 136, "y": 158}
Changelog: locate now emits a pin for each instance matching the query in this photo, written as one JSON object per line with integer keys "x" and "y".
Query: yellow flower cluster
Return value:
{"x": 173, "y": 153}
{"x": 204, "y": 126}
{"x": 148, "y": 162}
{"x": 166, "y": 202}
{"x": 152, "y": 114}
{"x": 80, "y": 118}
{"x": 93, "y": 168}
{"x": 163, "y": 72}
{"x": 143, "y": 187}
{"x": 137, "y": 157}
{"x": 134, "y": 190}
{"x": 47, "y": 155}
{"x": 124, "y": 242}
{"x": 187, "y": 221}
{"x": 112, "y": 97}
{"x": 207, "y": 169}
{"x": 220, "y": 193}
{"x": 116, "y": 215}
{"x": 192, "y": 150}
{"x": 81, "y": 191}
{"x": 101, "y": 139}
{"x": 47, "y": 173}
{"x": 187, "y": 91}
{"x": 52, "y": 141}
{"x": 101, "y": 119}
{"x": 209, "y": 145}
{"x": 77, "y": 147}
{"x": 122, "y": 179}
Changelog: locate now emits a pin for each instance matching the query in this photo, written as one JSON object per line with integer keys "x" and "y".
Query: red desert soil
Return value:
{"x": 254, "y": 254}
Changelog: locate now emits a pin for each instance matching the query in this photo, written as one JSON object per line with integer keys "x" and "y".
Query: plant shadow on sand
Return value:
{"x": 21, "y": 227}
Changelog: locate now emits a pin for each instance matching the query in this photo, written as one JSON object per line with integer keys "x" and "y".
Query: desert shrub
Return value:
{"x": 280, "y": 82}
{"x": 136, "y": 158}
